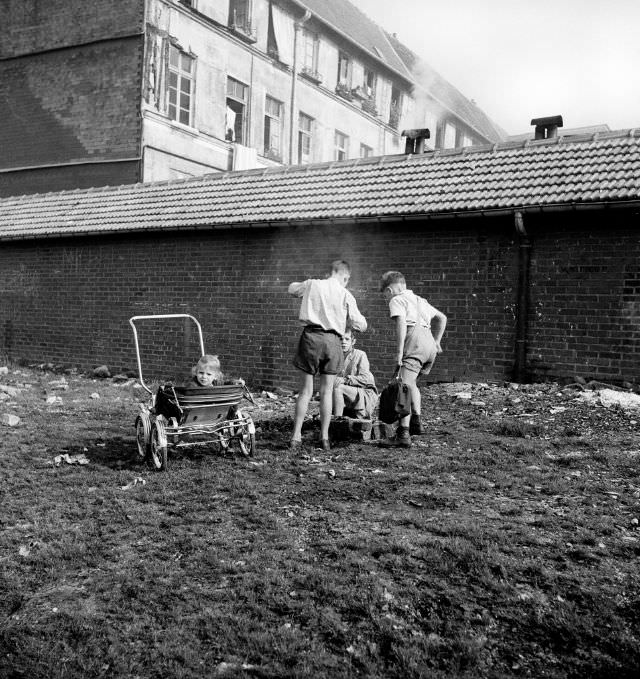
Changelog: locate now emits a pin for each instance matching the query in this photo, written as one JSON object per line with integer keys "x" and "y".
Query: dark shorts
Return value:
{"x": 319, "y": 351}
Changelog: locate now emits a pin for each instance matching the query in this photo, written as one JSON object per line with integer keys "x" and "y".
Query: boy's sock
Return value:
{"x": 415, "y": 426}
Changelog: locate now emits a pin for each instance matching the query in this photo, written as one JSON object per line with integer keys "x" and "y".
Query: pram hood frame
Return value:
{"x": 155, "y": 317}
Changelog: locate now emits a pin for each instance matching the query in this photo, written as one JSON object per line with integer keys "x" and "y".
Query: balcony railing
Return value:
{"x": 369, "y": 106}
{"x": 312, "y": 75}
{"x": 360, "y": 93}
{"x": 344, "y": 91}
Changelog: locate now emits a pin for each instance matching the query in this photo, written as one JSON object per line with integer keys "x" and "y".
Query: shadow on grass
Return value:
{"x": 114, "y": 453}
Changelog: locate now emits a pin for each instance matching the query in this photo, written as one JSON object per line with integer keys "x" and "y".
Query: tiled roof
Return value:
{"x": 533, "y": 174}
{"x": 347, "y": 19}
{"x": 447, "y": 95}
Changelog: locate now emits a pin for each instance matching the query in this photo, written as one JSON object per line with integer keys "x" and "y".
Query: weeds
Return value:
{"x": 516, "y": 428}
{"x": 493, "y": 548}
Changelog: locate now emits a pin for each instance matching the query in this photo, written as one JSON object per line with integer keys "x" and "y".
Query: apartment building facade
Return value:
{"x": 148, "y": 90}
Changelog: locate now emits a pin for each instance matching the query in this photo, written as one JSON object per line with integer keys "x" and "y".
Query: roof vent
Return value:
{"x": 415, "y": 140}
{"x": 547, "y": 128}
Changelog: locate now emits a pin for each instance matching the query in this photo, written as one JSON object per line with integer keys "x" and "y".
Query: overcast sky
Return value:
{"x": 524, "y": 59}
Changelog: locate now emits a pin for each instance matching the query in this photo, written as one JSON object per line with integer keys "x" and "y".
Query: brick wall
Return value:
{"x": 70, "y": 105}
{"x": 37, "y": 25}
{"x": 74, "y": 104}
{"x": 81, "y": 176}
{"x": 585, "y": 297}
{"x": 69, "y": 300}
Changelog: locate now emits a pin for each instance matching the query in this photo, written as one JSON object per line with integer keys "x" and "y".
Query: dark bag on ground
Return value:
{"x": 395, "y": 401}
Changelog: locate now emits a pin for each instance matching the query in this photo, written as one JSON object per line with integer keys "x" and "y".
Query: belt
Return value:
{"x": 319, "y": 328}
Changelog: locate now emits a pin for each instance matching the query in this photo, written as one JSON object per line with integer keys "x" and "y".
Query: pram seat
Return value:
{"x": 202, "y": 405}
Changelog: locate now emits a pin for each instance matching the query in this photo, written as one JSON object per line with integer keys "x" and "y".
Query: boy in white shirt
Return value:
{"x": 416, "y": 345}
{"x": 327, "y": 311}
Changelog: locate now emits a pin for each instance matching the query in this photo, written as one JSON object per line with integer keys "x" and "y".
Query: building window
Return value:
{"x": 236, "y": 123}
{"x": 310, "y": 47}
{"x": 273, "y": 129}
{"x": 305, "y": 130}
{"x": 240, "y": 16}
{"x": 369, "y": 83}
{"x": 180, "y": 89}
{"x": 341, "y": 146}
{"x": 395, "y": 108}
{"x": 344, "y": 70}
{"x": 272, "y": 43}
{"x": 365, "y": 151}
{"x": 467, "y": 141}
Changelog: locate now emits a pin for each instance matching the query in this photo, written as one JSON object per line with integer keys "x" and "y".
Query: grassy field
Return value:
{"x": 505, "y": 543}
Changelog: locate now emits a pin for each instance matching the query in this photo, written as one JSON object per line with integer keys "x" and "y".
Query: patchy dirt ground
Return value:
{"x": 504, "y": 543}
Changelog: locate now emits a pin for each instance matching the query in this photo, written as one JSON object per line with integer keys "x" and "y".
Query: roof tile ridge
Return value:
{"x": 61, "y": 193}
{"x": 454, "y": 151}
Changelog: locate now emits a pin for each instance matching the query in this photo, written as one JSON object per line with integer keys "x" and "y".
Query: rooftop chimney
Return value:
{"x": 415, "y": 140}
{"x": 547, "y": 128}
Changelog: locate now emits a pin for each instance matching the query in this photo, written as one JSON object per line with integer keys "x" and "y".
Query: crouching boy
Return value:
{"x": 354, "y": 389}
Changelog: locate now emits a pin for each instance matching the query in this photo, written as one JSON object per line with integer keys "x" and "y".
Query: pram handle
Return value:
{"x": 156, "y": 316}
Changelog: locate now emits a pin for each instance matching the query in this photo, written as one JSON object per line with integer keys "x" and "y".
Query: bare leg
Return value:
{"x": 302, "y": 404}
{"x": 326, "y": 404}
{"x": 338, "y": 401}
{"x": 409, "y": 378}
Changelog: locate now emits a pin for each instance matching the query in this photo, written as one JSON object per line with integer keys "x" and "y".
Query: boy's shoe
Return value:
{"x": 325, "y": 445}
{"x": 415, "y": 426}
{"x": 295, "y": 445}
{"x": 402, "y": 439}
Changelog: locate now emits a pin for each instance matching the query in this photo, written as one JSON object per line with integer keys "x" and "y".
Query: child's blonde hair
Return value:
{"x": 208, "y": 361}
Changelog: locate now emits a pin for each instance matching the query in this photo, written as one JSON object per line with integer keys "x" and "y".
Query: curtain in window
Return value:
{"x": 449, "y": 136}
{"x": 383, "y": 97}
{"x": 328, "y": 64}
{"x": 230, "y": 124}
{"x": 284, "y": 30}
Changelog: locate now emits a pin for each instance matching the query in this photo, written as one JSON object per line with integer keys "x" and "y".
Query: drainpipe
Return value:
{"x": 297, "y": 27}
{"x": 522, "y": 304}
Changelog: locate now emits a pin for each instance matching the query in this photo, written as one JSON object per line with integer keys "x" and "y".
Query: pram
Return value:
{"x": 191, "y": 416}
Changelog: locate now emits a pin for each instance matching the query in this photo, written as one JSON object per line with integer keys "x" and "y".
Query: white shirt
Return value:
{"x": 328, "y": 304}
{"x": 412, "y": 308}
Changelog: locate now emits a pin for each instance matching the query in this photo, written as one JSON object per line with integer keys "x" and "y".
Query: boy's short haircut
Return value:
{"x": 390, "y": 278}
{"x": 340, "y": 266}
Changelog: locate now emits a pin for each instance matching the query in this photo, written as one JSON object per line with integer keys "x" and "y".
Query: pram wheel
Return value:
{"x": 158, "y": 452}
{"x": 143, "y": 435}
{"x": 252, "y": 445}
